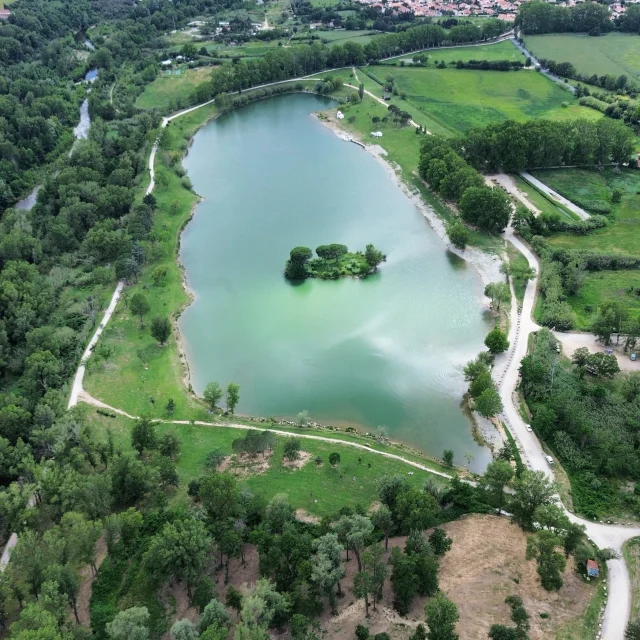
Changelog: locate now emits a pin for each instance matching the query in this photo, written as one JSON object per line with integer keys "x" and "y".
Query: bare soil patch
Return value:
{"x": 246, "y": 465}
{"x": 302, "y": 459}
{"x": 485, "y": 565}
{"x": 86, "y": 584}
{"x": 304, "y": 516}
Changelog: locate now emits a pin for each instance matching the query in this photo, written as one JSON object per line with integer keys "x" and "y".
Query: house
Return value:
{"x": 592, "y": 569}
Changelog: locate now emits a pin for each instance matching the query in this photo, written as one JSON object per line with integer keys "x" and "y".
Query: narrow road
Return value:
{"x": 534, "y": 61}
{"x": 581, "y": 213}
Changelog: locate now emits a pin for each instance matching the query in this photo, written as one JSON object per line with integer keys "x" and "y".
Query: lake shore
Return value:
{"x": 488, "y": 266}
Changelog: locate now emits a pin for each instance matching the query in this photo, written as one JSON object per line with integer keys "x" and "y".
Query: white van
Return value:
{"x": 549, "y": 459}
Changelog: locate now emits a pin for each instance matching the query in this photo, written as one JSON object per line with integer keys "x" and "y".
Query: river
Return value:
{"x": 385, "y": 351}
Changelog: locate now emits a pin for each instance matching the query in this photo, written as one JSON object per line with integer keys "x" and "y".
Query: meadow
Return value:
{"x": 613, "y": 53}
{"x": 319, "y": 489}
{"x": 169, "y": 86}
{"x": 459, "y": 99}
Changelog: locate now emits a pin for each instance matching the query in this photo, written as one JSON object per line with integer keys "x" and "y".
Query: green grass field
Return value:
{"x": 460, "y": 99}
{"x": 544, "y": 204}
{"x": 614, "y": 53}
{"x": 319, "y": 489}
{"x": 340, "y": 36}
{"x": 603, "y": 286}
{"x": 498, "y": 51}
{"x": 167, "y": 87}
{"x": 623, "y": 233}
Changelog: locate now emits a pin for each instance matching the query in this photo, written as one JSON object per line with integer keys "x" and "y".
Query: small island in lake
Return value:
{"x": 333, "y": 261}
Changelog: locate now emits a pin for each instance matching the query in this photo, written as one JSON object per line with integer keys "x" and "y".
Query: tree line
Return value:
{"x": 541, "y": 17}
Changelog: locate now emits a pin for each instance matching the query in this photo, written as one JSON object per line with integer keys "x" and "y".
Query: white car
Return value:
{"x": 549, "y": 459}
{"x": 528, "y": 427}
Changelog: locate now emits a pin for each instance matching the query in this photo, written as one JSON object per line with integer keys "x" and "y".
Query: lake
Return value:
{"x": 385, "y": 351}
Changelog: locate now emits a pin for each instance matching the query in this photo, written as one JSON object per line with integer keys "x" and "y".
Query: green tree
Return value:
{"x": 416, "y": 510}
{"x": 180, "y": 550}
{"x": 139, "y": 305}
{"x": 551, "y": 564}
{"x": 498, "y": 292}
{"x": 633, "y": 630}
{"x": 296, "y": 267}
{"x": 447, "y": 457}
{"x": 169, "y": 446}
{"x": 488, "y": 403}
{"x": 233, "y": 396}
{"x": 334, "y": 459}
{"x": 382, "y": 520}
{"x": 130, "y": 624}
{"x": 143, "y": 435}
{"x": 458, "y": 234}
{"x": 327, "y": 570}
{"x": 292, "y": 449}
{"x": 496, "y": 341}
{"x": 442, "y": 616}
{"x": 214, "y": 615}
{"x": 220, "y": 497}
{"x": 531, "y": 490}
{"x": 373, "y": 256}
{"x": 485, "y": 207}
{"x": 439, "y": 541}
{"x": 213, "y": 394}
{"x": 161, "y": 329}
{"x": 82, "y": 537}
{"x": 496, "y": 478}
{"x": 171, "y": 406}
{"x": 482, "y": 382}
{"x": 403, "y": 581}
{"x": 183, "y": 630}
{"x": 357, "y": 531}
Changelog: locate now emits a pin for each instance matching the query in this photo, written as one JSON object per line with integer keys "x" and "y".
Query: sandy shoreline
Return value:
{"x": 488, "y": 266}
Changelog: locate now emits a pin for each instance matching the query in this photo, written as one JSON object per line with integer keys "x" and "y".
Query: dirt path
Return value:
{"x": 505, "y": 181}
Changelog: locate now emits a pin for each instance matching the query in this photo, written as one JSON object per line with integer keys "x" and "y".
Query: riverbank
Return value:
{"x": 487, "y": 265}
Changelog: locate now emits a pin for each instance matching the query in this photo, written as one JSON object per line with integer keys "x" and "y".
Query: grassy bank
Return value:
{"x": 169, "y": 87}
{"x": 631, "y": 552}
{"x": 498, "y": 51}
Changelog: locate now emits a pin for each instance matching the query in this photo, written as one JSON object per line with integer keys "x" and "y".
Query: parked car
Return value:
{"x": 549, "y": 459}
{"x": 529, "y": 427}
{"x": 633, "y": 356}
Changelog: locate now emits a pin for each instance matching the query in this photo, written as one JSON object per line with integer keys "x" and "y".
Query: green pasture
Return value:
{"x": 317, "y": 488}
{"x": 460, "y": 99}
{"x": 499, "y": 51}
{"x": 541, "y": 201}
{"x": 622, "y": 235}
{"x": 167, "y": 87}
{"x": 604, "y": 286}
{"x": 613, "y": 53}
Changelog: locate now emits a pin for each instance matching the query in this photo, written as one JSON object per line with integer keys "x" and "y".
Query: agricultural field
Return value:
{"x": 460, "y": 99}
{"x": 614, "y": 53}
{"x": 498, "y": 51}
{"x": 168, "y": 86}
{"x": 340, "y": 36}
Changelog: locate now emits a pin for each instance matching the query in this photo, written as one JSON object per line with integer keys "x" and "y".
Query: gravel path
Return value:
{"x": 555, "y": 195}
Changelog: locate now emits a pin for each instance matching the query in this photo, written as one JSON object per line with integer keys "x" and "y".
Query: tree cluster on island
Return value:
{"x": 333, "y": 261}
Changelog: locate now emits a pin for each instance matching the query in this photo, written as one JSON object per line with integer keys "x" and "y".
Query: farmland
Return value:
{"x": 169, "y": 86}
{"x": 614, "y": 53}
{"x": 460, "y": 99}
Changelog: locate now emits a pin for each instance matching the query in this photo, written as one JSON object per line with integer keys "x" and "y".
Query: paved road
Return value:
{"x": 555, "y": 195}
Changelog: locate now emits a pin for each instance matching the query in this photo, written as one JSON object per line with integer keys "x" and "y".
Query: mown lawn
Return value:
{"x": 603, "y": 286}
{"x": 460, "y": 99}
{"x": 544, "y": 204}
{"x": 498, "y": 51}
{"x": 318, "y": 488}
{"x": 613, "y": 53}
{"x": 622, "y": 235}
{"x": 167, "y": 87}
